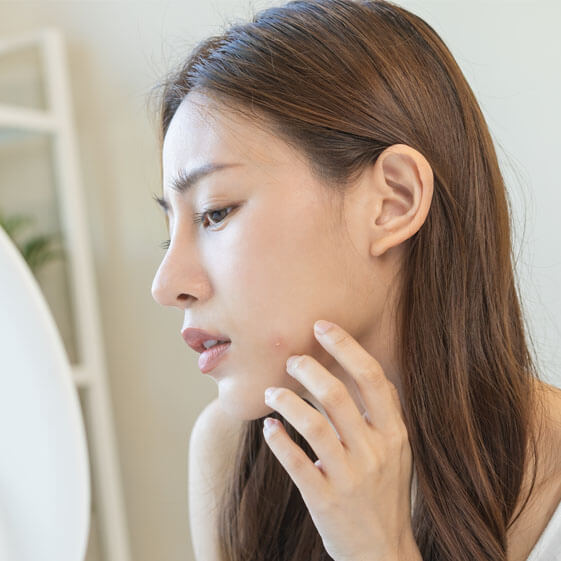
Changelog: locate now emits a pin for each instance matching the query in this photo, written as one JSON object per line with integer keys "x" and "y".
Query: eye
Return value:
{"x": 199, "y": 219}
{"x": 199, "y": 216}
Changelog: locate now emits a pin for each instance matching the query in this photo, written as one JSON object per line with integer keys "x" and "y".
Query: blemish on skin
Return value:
{"x": 277, "y": 342}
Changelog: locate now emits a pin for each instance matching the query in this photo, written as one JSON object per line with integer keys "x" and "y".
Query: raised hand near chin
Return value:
{"x": 358, "y": 493}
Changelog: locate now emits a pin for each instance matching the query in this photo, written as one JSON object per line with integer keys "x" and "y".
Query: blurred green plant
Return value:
{"x": 37, "y": 250}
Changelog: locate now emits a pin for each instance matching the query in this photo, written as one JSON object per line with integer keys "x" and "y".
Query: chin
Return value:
{"x": 247, "y": 409}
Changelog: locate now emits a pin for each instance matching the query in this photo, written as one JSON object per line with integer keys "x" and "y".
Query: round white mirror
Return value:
{"x": 44, "y": 466}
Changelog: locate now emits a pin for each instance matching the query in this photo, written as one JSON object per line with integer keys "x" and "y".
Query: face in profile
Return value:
{"x": 273, "y": 257}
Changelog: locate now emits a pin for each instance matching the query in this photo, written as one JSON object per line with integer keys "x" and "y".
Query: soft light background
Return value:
{"x": 117, "y": 50}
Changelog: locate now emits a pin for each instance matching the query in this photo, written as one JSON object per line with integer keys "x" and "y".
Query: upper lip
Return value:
{"x": 195, "y": 337}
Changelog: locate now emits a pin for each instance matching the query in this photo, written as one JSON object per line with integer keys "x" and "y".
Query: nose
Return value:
{"x": 162, "y": 290}
{"x": 173, "y": 283}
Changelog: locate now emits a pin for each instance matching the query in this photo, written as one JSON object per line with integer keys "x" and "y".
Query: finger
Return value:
{"x": 335, "y": 399}
{"x": 308, "y": 477}
{"x": 367, "y": 373}
{"x": 313, "y": 426}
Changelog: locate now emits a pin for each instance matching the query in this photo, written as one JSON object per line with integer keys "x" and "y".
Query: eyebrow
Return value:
{"x": 185, "y": 182}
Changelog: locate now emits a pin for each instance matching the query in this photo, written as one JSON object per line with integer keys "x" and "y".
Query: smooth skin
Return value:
{"x": 282, "y": 259}
{"x": 282, "y": 256}
{"x": 285, "y": 253}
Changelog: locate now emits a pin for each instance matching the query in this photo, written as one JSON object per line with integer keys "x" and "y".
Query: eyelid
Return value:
{"x": 198, "y": 218}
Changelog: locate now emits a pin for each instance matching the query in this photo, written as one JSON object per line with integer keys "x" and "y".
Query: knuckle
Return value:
{"x": 374, "y": 469}
{"x": 295, "y": 461}
{"x": 314, "y": 427}
{"x": 334, "y": 395}
{"x": 373, "y": 463}
{"x": 368, "y": 373}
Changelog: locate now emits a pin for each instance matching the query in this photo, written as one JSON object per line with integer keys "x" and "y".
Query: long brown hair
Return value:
{"x": 342, "y": 80}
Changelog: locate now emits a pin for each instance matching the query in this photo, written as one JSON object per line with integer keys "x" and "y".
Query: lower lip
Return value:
{"x": 211, "y": 357}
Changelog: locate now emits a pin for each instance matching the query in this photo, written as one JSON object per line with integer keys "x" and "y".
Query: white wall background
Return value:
{"x": 511, "y": 55}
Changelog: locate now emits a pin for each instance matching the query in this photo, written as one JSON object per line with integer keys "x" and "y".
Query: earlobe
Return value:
{"x": 406, "y": 184}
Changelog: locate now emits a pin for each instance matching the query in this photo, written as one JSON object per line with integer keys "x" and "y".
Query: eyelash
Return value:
{"x": 198, "y": 220}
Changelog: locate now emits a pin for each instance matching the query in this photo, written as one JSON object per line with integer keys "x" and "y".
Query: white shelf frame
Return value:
{"x": 90, "y": 372}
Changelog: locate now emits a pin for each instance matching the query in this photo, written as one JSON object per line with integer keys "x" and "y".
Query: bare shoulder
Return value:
{"x": 213, "y": 442}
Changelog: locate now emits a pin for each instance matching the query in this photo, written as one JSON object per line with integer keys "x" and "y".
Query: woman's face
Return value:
{"x": 264, "y": 273}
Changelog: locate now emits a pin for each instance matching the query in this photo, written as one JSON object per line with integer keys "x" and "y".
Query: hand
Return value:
{"x": 358, "y": 492}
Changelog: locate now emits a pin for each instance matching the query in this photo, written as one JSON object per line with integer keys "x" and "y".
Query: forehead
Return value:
{"x": 202, "y": 130}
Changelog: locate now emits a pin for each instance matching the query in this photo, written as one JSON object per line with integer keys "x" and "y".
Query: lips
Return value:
{"x": 210, "y": 358}
{"x": 195, "y": 338}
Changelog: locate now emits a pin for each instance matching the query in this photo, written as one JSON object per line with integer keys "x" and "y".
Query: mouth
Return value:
{"x": 196, "y": 338}
{"x": 218, "y": 344}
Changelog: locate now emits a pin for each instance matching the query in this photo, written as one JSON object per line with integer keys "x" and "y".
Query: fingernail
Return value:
{"x": 269, "y": 426}
{"x": 292, "y": 361}
{"x": 269, "y": 393}
{"x": 322, "y": 326}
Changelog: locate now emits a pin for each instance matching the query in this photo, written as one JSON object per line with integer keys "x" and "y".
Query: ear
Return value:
{"x": 403, "y": 181}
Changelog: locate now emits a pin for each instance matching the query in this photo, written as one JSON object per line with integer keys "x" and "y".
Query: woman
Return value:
{"x": 340, "y": 169}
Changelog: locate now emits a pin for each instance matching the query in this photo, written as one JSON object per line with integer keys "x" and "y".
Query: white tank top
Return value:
{"x": 548, "y": 546}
